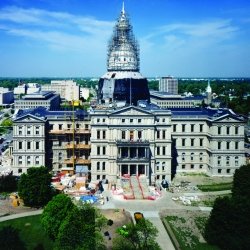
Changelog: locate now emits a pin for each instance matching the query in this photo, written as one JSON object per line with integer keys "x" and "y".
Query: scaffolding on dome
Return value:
{"x": 123, "y": 48}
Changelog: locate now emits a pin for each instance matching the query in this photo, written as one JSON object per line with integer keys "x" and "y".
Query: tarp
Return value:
{"x": 89, "y": 198}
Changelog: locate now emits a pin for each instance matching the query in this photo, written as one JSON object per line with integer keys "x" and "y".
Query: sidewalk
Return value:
{"x": 15, "y": 216}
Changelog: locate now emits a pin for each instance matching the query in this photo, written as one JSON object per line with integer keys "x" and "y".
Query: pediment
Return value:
{"x": 230, "y": 118}
{"x": 29, "y": 118}
{"x": 131, "y": 111}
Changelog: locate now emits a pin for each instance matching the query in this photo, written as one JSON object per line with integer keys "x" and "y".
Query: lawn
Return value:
{"x": 31, "y": 231}
{"x": 216, "y": 187}
{"x": 188, "y": 232}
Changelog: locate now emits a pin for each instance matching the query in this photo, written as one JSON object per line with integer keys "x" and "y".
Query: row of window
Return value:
{"x": 28, "y": 160}
{"x": 100, "y": 166}
{"x": 192, "y": 155}
{"x": 101, "y": 150}
{"x": 28, "y": 130}
{"x": 228, "y": 160}
{"x": 192, "y": 127}
{"x": 192, "y": 166}
{"x": 161, "y": 150}
{"x": 228, "y": 145}
{"x": 69, "y": 126}
{"x": 192, "y": 142}
{"x": 21, "y": 145}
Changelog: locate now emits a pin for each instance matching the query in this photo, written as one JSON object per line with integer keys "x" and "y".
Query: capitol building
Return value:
{"x": 125, "y": 134}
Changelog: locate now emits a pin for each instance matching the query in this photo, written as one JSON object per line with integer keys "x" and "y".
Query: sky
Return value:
{"x": 69, "y": 38}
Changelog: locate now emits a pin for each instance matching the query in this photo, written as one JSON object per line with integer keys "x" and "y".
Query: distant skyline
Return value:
{"x": 69, "y": 38}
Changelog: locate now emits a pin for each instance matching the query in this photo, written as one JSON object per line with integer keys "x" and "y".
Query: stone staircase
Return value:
{"x": 136, "y": 187}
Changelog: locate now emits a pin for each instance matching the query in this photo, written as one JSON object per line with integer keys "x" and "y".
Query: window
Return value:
{"x": 98, "y": 166}
{"x": 183, "y": 156}
{"x": 163, "y": 168}
{"x": 69, "y": 126}
{"x": 174, "y": 128}
{"x": 131, "y": 135}
{"x": 104, "y": 134}
{"x": 201, "y": 142}
{"x": 228, "y": 145}
{"x": 236, "y": 145}
{"x": 201, "y": 166}
{"x": 77, "y": 125}
{"x": 104, "y": 150}
{"x": 104, "y": 177}
{"x": 192, "y": 156}
{"x": 139, "y": 134}
{"x": 183, "y": 126}
{"x": 219, "y": 171}
{"x": 228, "y": 171}
{"x": 98, "y": 177}
{"x": 98, "y": 150}
{"x": 28, "y": 144}
{"x": 37, "y": 144}
{"x": 20, "y": 145}
{"x": 201, "y": 127}
{"x": 219, "y": 160}
{"x": 236, "y": 130}
{"x": 236, "y": 160}
{"x": 201, "y": 156}
{"x": 20, "y": 160}
{"x": 163, "y": 150}
{"x": 192, "y": 142}
{"x": 60, "y": 126}
{"x": 20, "y": 171}
{"x": 219, "y": 130}
{"x": 183, "y": 166}
{"x": 227, "y": 160}
{"x": 163, "y": 134}
{"x": 183, "y": 142}
{"x": 131, "y": 120}
{"x": 86, "y": 126}
{"x": 192, "y": 127}
{"x": 157, "y": 134}
{"x": 123, "y": 135}
{"x": 139, "y": 120}
{"x": 219, "y": 145}
{"x": 103, "y": 166}
{"x": 98, "y": 119}
{"x": 228, "y": 130}
{"x": 37, "y": 130}
{"x": 157, "y": 150}
{"x": 98, "y": 134}
{"x": 123, "y": 120}
{"x": 157, "y": 166}
{"x": 192, "y": 166}
{"x": 37, "y": 160}
{"x": 103, "y": 120}
{"x": 28, "y": 130}
{"x": 20, "y": 130}
{"x": 28, "y": 160}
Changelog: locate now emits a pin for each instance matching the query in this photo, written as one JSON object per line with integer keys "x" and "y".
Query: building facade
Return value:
{"x": 6, "y": 96}
{"x": 168, "y": 84}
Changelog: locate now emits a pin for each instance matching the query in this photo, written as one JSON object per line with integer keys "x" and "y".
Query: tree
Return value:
{"x": 8, "y": 183}
{"x": 79, "y": 231}
{"x": 229, "y": 223}
{"x": 241, "y": 182}
{"x": 35, "y": 187}
{"x": 7, "y": 123}
{"x": 54, "y": 214}
{"x": 9, "y": 239}
{"x": 141, "y": 236}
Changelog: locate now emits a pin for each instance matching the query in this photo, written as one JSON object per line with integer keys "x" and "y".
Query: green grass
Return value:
{"x": 31, "y": 231}
{"x": 216, "y": 187}
{"x": 185, "y": 236}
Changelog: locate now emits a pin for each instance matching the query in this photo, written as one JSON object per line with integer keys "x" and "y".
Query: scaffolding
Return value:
{"x": 123, "y": 48}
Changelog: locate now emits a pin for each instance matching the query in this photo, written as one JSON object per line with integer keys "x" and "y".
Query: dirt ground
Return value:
{"x": 197, "y": 179}
{"x": 6, "y": 208}
{"x": 119, "y": 218}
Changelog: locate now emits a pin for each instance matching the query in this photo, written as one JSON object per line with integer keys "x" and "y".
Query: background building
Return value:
{"x": 168, "y": 84}
{"x": 6, "y": 96}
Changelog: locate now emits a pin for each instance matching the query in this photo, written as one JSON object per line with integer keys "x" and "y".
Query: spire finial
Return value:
{"x": 123, "y": 9}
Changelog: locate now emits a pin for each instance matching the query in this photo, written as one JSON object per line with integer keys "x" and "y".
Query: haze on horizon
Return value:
{"x": 69, "y": 38}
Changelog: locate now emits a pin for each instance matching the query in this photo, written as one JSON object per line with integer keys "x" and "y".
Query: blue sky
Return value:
{"x": 68, "y": 38}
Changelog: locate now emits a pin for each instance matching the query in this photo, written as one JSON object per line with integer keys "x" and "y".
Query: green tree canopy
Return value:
{"x": 35, "y": 187}
{"x": 54, "y": 214}
{"x": 141, "y": 236}
{"x": 7, "y": 123}
{"x": 79, "y": 231}
{"x": 229, "y": 223}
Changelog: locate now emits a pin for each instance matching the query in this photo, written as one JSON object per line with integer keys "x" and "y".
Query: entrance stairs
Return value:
{"x": 136, "y": 187}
